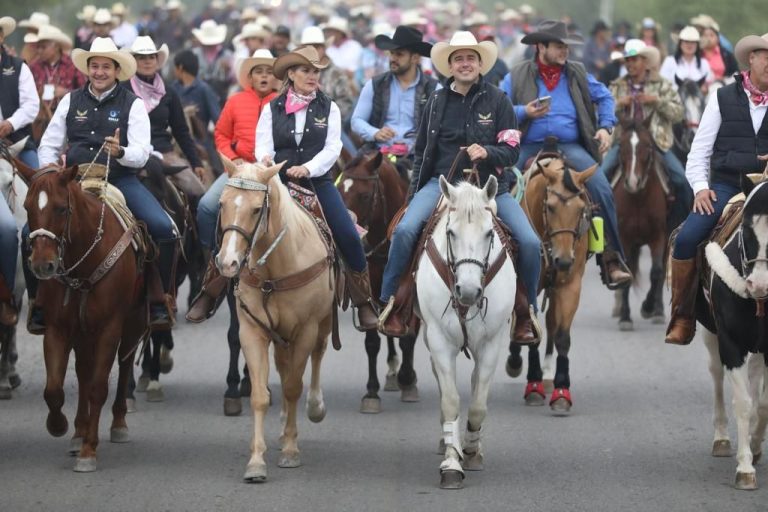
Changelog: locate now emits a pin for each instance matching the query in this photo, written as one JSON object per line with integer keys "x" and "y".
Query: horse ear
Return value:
{"x": 25, "y": 171}
{"x": 229, "y": 165}
{"x": 580, "y": 178}
{"x": 548, "y": 173}
{"x": 491, "y": 187}
{"x": 271, "y": 171}
{"x": 447, "y": 189}
{"x": 747, "y": 185}
{"x": 16, "y": 148}
{"x": 70, "y": 173}
{"x": 375, "y": 162}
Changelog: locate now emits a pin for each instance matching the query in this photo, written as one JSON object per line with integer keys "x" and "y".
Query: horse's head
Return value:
{"x": 7, "y": 153}
{"x": 243, "y": 217}
{"x": 566, "y": 211}
{"x": 637, "y": 154}
{"x": 469, "y": 236}
{"x": 49, "y": 213}
{"x": 754, "y": 238}
{"x": 360, "y": 187}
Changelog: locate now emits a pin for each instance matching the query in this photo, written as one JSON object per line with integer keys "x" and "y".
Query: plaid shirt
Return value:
{"x": 336, "y": 83}
{"x": 63, "y": 74}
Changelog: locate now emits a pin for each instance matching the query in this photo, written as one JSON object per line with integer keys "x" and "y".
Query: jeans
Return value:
{"x": 145, "y": 207}
{"x": 29, "y": 157}
{"x": 9, "y": 244}
{"x": 697, "y": 226}
{"x": 208, "y": 212}
{"x": 598, "y": 187}
{"x": 422, "y": 205}
{"x": 343, "y": 229}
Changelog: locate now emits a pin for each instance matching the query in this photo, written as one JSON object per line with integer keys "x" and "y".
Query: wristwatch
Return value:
{"x": 121, "y": 153}
{"x": 609, "y": 129}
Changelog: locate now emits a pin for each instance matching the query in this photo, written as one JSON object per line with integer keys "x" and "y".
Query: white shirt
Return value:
{"x": 29, "y": 101}
{"x": 124, "y": 35}
{"x": 685, "y": 70}
{"x": 139, "y": 134}
{"x": 697, "y": 167}
{"x": 347, "y": 56}
{"x": 323, "y": 161}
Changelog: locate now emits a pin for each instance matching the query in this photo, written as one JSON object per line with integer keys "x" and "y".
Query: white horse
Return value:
{"x": 483, "y": 284}
{"x": 14, "y": 191}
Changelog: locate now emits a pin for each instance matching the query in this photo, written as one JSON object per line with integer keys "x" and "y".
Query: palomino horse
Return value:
{"x": 557, "y": 205}
{"x": 374, "y": 190}
{"x": 693, "y": 101}
{"x": 285, "y": 295}
{"x": 641, "y": 207}
{"x": 463, "y": 284}
{"x": 93, "y": 297}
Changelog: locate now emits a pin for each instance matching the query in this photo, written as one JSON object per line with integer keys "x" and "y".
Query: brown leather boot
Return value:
{"x": 211, "y": 295}
{"x": 9, "y": 315}
{"x": 525, "y": 330}
{"x": 685, "y": 283}
{"x": 359, "y": 285}
{"x": 616, "y": 275}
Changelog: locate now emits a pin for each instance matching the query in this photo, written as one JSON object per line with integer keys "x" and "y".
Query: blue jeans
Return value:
{"x": 343, "y": 229}
{"x": 145, "y": 207}
{"x": 29, "y": 157}
{"x": 422, "y": 205}
{"x": 9, "y": 243}
{"x": 598, "y": 187}
{"x": 697, "y": 226}
{"x": 208, "y": 212}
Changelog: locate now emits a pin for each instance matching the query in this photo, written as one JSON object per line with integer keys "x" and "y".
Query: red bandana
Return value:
{"x": 757, "y": 96}
{"x": 550, "y": 75}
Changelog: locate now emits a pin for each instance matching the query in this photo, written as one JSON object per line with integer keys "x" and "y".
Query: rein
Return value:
{"x": 378, "y": 197}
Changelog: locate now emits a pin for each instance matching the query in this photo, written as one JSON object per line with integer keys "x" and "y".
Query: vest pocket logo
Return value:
{"x": 485, "y": 118}
{"x": 81, "y": 115}
{"x": 114, "y": 116}
{"x": 321, "y": 122}
{"x": 8, "y": 71}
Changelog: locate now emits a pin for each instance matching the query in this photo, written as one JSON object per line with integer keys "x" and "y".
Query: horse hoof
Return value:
{"x": 658, "y": 320}
{"x": 232, "y": 407}
{"x": 15, "y": 381}
{"x": 746, "y": 481}
{"x": 473, "y": 462}
{"x": 534, "y": 400}
{"x": 721, "y": 448}
{"x": 561, "y": 406}
{"x": 289, "y": 461}
{"x": 451, "y": 479}
{"x": 75, "y": 444}
{"x": 410, "y": 394}
{"x": 255, "y": 473}
{"x": 155, "y": 392}
{"x": 534, "y": 394}
{"x": 57, "y": 424}
{"x": 85, "y": 465}
{"x": 370, "y": 405}
{"x": 316, "y": 413}
{"x": 390, "y": 384}
{"x": 245, "y": 388}
{"x": 514, "y": 366}
{"x": 626, "y": 326}
{"x": 5, "y": 393}
{"x": 143, "y": 383}
{"x": 119, "y": 435}
{"x": 166, "y": 361}
{"x": 130, "y": 404}
{"x": 549, "y": 386}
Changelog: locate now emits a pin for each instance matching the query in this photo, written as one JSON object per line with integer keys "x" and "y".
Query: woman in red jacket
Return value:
{"x": 235, "y": 137}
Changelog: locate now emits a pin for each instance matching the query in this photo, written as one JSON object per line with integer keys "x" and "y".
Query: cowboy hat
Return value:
{"x": 705, "y": 21}
{"x": 404, "y": 37}
{"x": 174, "y": 5}
{"x": 749, "y": 44}
{"x": 306, "y": 55}
{"x": 551, "y": 31}
{"x": 510, "y": 15}
{"x": 638, "y": 48}
{"x": 476, "y": 18}
{"x": 251, "y": 30}
{"x": 119, "y": 9}
{"x": 102, "y": 17}
{"x": 86, "y": 14}
{"x": 7, "y": 25}
{"x": 337, "y": 23}
{"x": 689, "y": 34}
{"x": 412, "y": 17}
{"x": 463, "y": 40}
{"x": 49, "y": 33}
{"x": 36, "y": 20}
{"x": 249, "y": 13}
{"x": 105, "y": 47}
{"x": 210, "y": 33}
{"x": 314, "y": 35}
{"x": 144, "y": 45}
{"x": 259, "y": 58}
{"x": 266, "y": 23}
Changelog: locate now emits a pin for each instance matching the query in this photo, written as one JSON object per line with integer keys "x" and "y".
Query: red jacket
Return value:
{"x": 235, "y": 132}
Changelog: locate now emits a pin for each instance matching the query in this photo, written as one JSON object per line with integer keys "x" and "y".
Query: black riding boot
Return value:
{"x": 161, "y": 297}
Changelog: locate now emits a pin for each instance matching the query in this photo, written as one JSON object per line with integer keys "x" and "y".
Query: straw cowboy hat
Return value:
{"x": 119, "y": 9}
{"x": 210, "y": 33}
{"x": 551, "y": 31}
{"x": 705, "y": 21}
{"x": 314, "y": 35}
{"x": 174, "y": 5}
{"x": 749, "y": 44}
{"x": 102, "y": 17}
{"x": 306, "y": 55}
{"x": 144, "y": 45}
{"x": 412, "y": 17}
{"x": 50, "y": 33}
{"x": 463, "y": 40}
{"x": 476, "y": 18}
{"x": 7, "y": 25}
{"x": 249, "y": 13}
{"x": 105, "y": 47}
{"x": 36, "y": 20}
{"x": 259, "y": 58}
{"x": 405, "y": 37}
{"x": 638, "y": 48}
{"x": 251, "y": 30}
{"x": 337, "y": 23}
{"x": 86, "y": 14}
{"x": 510, "y": 15}
{"x": 689, "y": 34}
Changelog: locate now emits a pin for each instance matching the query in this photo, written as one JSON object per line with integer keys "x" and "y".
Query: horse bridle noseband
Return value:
{"x": 578, "y": 231}
{"x": 247, "y": 184}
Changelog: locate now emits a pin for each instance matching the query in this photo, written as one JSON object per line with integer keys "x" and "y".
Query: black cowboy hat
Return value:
{"x": 549, "y": 31}
{"x": 404, "y": 37}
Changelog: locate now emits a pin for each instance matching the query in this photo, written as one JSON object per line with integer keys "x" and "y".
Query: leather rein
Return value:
{"x": 378, "y": 197}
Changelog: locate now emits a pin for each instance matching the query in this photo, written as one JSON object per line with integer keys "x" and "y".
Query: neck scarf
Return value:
{"x": 757, "y": 96}
{"x": 550, "y": 75}
{"x": 296, "y": 101}
{"x": 150, "y": 93}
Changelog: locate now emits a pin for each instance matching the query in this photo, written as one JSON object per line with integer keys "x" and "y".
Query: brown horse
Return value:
{"x": 557, "y": 205}
{"x": 641, "y": 207}
{"x": 93, "y": 298}
{"x": 285, "y": 294}
{"x": 375, "y": 190}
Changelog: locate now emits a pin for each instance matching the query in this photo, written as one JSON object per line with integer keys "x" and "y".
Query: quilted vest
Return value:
{"x": 381, "y": 83}
{"x": 10, "y": 67}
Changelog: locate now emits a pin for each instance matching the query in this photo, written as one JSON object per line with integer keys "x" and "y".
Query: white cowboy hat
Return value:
{"x": 251, "y": 30}
{"x": 314, "y": 35}
{"x": 105, "y": 47}
{"x": 119, "y": 9}
{"x": 510, "y": 15}
{"x": 337, "y": 23}
{"x": 8, "y": 25}
{"x": 265, "y": 22}
{"x": 249, "y": 13}
{"x": 144, "y": 45}
{"x": 463, "y": 40}
{"x": 412, "y": 17}
{"x": 705, "y": 21}
{"x": 36, "y": 20}
{"x": 174, "y": 5}
{"x": 526, "y": 9}
{"x": 749, "y": 44}
{"x": 259, "y": 57}
{"x": 50, "y": 33}
{"x": 638, "y": 48}
{"x": 476, "y": 18}
{"x": 210, "y": 33}
{"x": 86, "y": 14}
{"x": 689, "y": 34}
{"x": 102, "y": 17}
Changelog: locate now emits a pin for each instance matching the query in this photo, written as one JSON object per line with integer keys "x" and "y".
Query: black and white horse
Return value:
{"x": 736, "y": 327}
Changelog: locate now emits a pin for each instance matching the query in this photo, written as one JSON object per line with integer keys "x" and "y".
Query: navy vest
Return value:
{"x": 10, "y": 68}
{"x": 737, "y": 146}
{"x": 381, "y": 83}
{"x": 89, "y": 121}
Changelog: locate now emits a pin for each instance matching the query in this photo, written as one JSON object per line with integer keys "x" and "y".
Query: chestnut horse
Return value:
{"x": 375, "y": 190}
{"x": 285, "y": 294}
{"x": 641, "y": 207}
{"x": 93, "y": 297}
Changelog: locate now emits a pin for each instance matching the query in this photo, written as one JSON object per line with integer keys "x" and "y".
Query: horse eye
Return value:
{"x": 451, "y": 234}
{"x": 489, "y": 234}
{"x": 550, "y": 208}
{"x": 60, "y": 210}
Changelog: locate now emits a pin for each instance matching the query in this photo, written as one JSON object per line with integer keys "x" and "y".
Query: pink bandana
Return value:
{"x": 757, "y": 96}
{"x": 152, "y": 93}
{"x": 296, "y": 101}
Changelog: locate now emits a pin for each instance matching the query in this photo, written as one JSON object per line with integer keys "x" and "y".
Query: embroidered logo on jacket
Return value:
{"x": 114, "y": 116}
{"x": 321, "y": 122}
{"x": 8, "y": 71}
{"x": 485, "y": 118}
{"x": 81, "y": 115}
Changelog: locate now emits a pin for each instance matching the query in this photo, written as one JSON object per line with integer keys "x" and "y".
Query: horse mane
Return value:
{"x": 757, "y": 201}
{"x": 468, "y": 199}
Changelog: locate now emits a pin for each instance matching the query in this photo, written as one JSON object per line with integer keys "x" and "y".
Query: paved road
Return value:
{"x": 638, "y": 438}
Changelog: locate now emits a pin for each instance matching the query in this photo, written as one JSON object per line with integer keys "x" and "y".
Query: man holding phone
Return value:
{"x": 553, "y": 96}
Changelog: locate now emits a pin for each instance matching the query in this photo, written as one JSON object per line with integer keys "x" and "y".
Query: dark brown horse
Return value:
{"x": 641, "y": 207}
{"x": 93, "y": 297}
{"x": 375, "y": 190}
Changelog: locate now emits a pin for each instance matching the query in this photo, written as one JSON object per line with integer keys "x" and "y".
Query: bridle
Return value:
{"x": 378, "y": 197}
{"x": 649, "y": 168}
{"x": 454, "y": 264}
{"x": 582, "y": 220}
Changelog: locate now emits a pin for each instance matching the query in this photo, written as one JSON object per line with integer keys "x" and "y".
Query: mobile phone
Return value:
{"x": 544, "y": 101}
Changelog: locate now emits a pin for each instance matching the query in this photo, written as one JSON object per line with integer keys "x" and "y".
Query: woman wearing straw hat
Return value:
{"x": 302, "y": 127}
{"x": 234, "y": 137}
{"x": 687, "y": 63}
{"x": 55, "y": 74}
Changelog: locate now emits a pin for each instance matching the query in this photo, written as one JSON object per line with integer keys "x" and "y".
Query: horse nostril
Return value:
{"x": 458, "y": 290}
{"x": 750, "y": 284}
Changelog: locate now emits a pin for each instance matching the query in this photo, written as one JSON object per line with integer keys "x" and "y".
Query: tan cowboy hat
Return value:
{"x": 463, "y": 40}
{"x": 35, "y": 21}
{"x": 476, "y": 18}
{"x": 210, "y": 33}
{"x": 119, "y": 9}
{"x": 266, "y": 23}
{"x": 705, "y": 21}
{"x": 314, "y": 35}
{"x": 412, "y": 17}
{"x": 306, "y": 55}
{"x": 510, "y": 15}
{"x": 7, "y": 25}
{"x": 251, "y": 30}
{"x": 174, "y": 5}
{"x": 259, "y": 58}
{"x": 86, "y": 14}
{"x": 50, "y": 33}
{"x": 144, "y": 45}
{"x": 337, "y": 23}
{"x": 102, "y": 17}
{"x": 749, "y": 44}
{"x": 689, "y": 34}
{"x": 249, "y": 13}
{"x": 638, "y": 48}
{"x": 105, "y": 47}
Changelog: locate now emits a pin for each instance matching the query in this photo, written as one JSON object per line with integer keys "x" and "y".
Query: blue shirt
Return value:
{"x": 561, "y": 120}
{"x": 200, "y": 94}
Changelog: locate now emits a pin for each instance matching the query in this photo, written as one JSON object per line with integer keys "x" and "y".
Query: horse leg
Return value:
{"x": 154, "y": 389}
{"x": 721, "y": 446}
{"x": 535, "y": 389}
{"x": 315, "y": 403}
{"x": 166, "y": 360}
{"x": 514, "y": 366}
{"x": 232, "y": 404}
{"x": 146, "y": 363}
{"x": 371, "y": 403}
{"x": 625, "y": 319}
{"x": 406, "y": 376}
{"x": 83, "y": 369}
{"x": 245, "y": 382}
{"x": 758, "y": 431}
{"x": 548, "y": 367}
{"x": 393, "y": 364}
{"x": 56, "y": 349}
{"x": 5, "y": 365}
{"x": 742, "y": 406}
{"x": 616, "y": 311}
{"x": 564, "y": 307}
{"x": 653, "y": 305}
{"x": 256, "y": 352}
{"x": 13, "y": 356}
{"x": 118, "y": 432}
